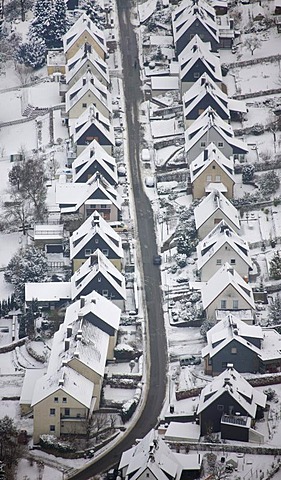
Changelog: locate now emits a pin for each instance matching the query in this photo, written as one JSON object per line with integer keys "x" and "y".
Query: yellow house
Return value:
{"x": 84, "y": 31}
{"x": 86, "y": 59}
{"x": 211, "y": 167}
{"x": 55, "y": 62}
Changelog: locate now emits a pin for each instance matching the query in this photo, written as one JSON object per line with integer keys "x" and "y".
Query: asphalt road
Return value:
{"x": 151, "y": 279}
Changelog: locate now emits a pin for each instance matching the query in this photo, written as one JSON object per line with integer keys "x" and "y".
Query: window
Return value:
{"x": 209, "y": 178}
{"x": 67, "y": 412}
{"x": 56, "y": 399}
{"x": 64, "y": 400}
{"x": 84, "y": 105}
{"x": 99, "y": 279}
{"x": 105, "y": 251}
{"x": 232, "y": 261}
{"x": 224, "y": 365}
{"x": 52, "y": 411}
{"x": 104, "y": 293}
{"x": 217, "y": 220}
{"x": 196, "y": 75}
{"x": 96, "y": 240}
{"x": 220, "y": 144}
{"x": 218, "y": 261}
{"x": 52, "y": 428}
{"x": 220, "y": 408}
{"x": 235, "y": 304}
{"x": 218, "y": 178}
{"x": 223, "y": 304}
{"x": 202, "y": 144}
{"x": 87, "y": 252}
{"x": 218, "y": 20}
{"x": 233, "y": 350}
{"x": 214, "y": 167}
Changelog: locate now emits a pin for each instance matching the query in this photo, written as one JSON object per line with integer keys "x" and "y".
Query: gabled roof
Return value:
{"x": 96, "y": 229}
{"x": 66, "y": 380}
{"x": 209, "y": 155}
{"x": 94, "y": 219}
{"x": 95, "y": 306}
{"x": 87, "y": 55}
{"x": 222, "y": 235}
{"x": 83, "y": 24}
{"x": 97, "y": 264}
{"x": 204, "y": 86}
{"x": 94, "y": 152}
{"x": 223, "y": 278}
{"x": 151, "y": 453}
{"x": 229, "y": 329}
{"x": 73, "y": 195}
{"x": 92, "y": 116}
{"x": 88, "y": 83}
{"x": 188, "y": 5}
{"x": 183, "y": 22}
{"x": 197, "y": 50}
{"x": 215, "y": 202}
{"x": 207, "y": 120}
{"x": 238, "y": 388}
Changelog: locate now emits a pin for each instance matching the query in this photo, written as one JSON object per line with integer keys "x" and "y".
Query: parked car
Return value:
{"x": 190, "y": 360}
{"x": 157, "y": 259}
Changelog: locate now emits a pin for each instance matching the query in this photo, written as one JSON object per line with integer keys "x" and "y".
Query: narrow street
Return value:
{"x": 145, "y": 236}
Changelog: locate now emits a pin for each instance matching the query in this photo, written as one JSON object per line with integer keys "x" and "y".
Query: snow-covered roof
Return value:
{"x": 206, "y": 158}
{"x": 204, "y": 86}
{"x": 182, "y": 22}
{"x": 92, "y": 116}
{"x": 197, "y": 50}
{"x": 71, "y": 196}
{"x": 94, "y": 152}
{"x": 151, "y": 452}
{"x": 48, "y": 231}
{"x": 97, "y": 264}
{"x": 215, "y": 202}
{"x": 177, "y": 431}
{"x": 207, "y": 120}
{"x": 80, "y": 340}
{"x": 96, "y": 228}
{"x": 86, "y": 84}
{"x": 82, "y": 25}
{"x": 30, "y": 378}
{"x": 87, "y": 55}
{"x": 238, "y": 388}
{"x": 66, "y": 380}
{"x": 94, "y": 219}
{"x": 47, "y": 291}
{"x": 95, "y": 308}
{"x": 224, "y": 277}
{"x": 221, "y": 236}
{"x": 164, "y": 83}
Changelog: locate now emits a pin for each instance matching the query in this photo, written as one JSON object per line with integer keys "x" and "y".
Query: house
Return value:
{"x": 229, "y": 397}
{"x": 226, "y": 31}
{"x": 92, "y": 160}
{"x": 232, "y": 341}
{"x": 196, "y": 59}
{"x": 211, "y": 167}
{"x": 92, "y": 125}
{"x": 62, "y": 403}
{"x": 86, "y": 59}
{"x": 87, "y": 91}
{"x": 85, "y": 198}
{"x": 220, "y": 6}
{"x": 250, "y": 348}
{"x": 98, "y": 311}
{"x": 210, "y": 128}
{"x": 203, "y": 94}
{"x": 55, "y": 62}
{"x": 99, "y": 274}
{"x": 84, "y": 31}
{"x": 195, "y": 20}
{"x": 212, "y": 210}
{"x": 95, "y": 233}
{"x": 222, "y": 245}
{"x": 152, "y": 458}
{"x": 226, "y": 290}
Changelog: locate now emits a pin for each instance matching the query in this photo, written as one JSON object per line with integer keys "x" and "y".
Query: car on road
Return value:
{"x": 157, "y": 259}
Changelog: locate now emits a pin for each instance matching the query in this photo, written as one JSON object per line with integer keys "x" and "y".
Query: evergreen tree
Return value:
{"x": 275, "y": 266}
{"x": 248, "y": 173}
{"x": 274, "y": 313}
{"x": 41, "y": 12}
{"x": 28, "y": 265}
{"x": 62, "y": 23}
{"x": 94, "y": 11}
{"x": 33, "y": 53}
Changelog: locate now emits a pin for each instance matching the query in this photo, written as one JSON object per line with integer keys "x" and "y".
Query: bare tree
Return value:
{"x": 252, "y": 43}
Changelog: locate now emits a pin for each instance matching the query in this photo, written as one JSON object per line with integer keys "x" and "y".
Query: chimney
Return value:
{"x": 61, "y": 382}
{"x": 76, "y": 354}
{"x": 229, "y": 366}
{"x": 69, "y": 331}
{"x": 82, "y": 302}
{"x": 84, "y": 81}
{"x": 194, "y": 48}
{"x": 94, "y": 300}
{"x": 92, "y": 152}
{"x": 94, "y": 259}
{"x": 66, "y": 345}
{"x": 205, "y": 153}
{"x": 97, "y": 116}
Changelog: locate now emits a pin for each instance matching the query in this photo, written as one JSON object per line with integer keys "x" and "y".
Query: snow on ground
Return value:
{"x": 15, "y": 137}
{"x": 29, "y": 470}
{"x": 44, "y": 94}
{"x": 11, "y": 105}
{"x": 118, "y": 394}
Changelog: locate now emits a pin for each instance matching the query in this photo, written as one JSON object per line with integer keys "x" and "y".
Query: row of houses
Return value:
{"x": 63, "y": 400}
{"x": 228, "y": 404}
